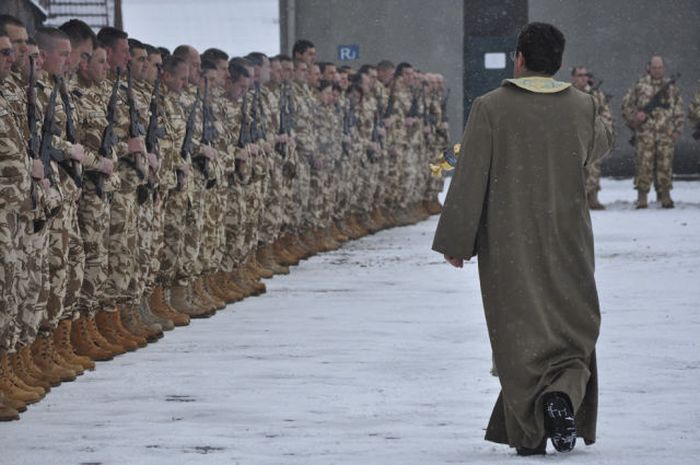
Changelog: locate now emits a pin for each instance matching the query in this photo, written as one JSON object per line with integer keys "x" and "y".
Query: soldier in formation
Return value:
{"x": 142, "y": 189}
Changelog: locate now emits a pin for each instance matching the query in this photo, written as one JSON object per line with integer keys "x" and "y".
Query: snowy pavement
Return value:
{"x": 377, "y": 354}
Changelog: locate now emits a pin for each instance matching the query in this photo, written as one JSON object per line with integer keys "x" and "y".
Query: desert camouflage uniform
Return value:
{"x": 94, "y": 210}
{"x": 654, "y": 143}
{"x": 694, "y": 112}
{"x": 441, "y": 143}
{"x": 593, "y": 169}
{"x": 305, "y": 138}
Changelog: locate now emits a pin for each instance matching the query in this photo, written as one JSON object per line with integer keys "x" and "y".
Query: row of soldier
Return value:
{"x": 653, "y": 110}
{"x": 141, "y": 189}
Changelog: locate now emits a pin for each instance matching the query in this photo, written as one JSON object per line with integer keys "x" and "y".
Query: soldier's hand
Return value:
{"x": 77, "y": 153}
{"x": 106, "y": 166}
{"x": 347, "y": 139}
{"x": 45, "y": 184}
{"x": 37, "y": 169}
{"x": 153, "y": 161}
{"x": 382, "y": 132}
{"x": 292, "y": 143}
{"x": 640, "y": 117}
{"x": 267, "y": 147}
{"x": 136, "y": 145}
{"x": 409, "y": 122}
{"x": 675, "y": 136}
{"x": 209, "y": 152}
{"x": 388, "y": 122}
{"x": 456, "y": 262}
{"x": 281, "y": 139}
{"x": 374, "y": 146}
{"x": 253, "y": 149}
{"x": 426, "y": 130}
{"x": 444, "y": 126}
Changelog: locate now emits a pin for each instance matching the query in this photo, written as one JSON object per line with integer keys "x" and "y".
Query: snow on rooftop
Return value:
{"x": 235, "y": 26}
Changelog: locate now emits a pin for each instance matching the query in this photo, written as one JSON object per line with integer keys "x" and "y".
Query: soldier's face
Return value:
{"x": 329, "y": 73}
{"x": 119, "y": 56}
{"x": 580, "y": 78}
{"x": 81, "y": 53}
{"x": 309, "y": 56}
{"x": 326, "y": 95}
{"x": 301, "y": 70}
{"x": 385, "y": 75}
{"x": 7, "y": 57}
{"x": 55, "y": 58}
{"x": 33, "y": 52}
{"x": 96, "y": 71}
{"x": 276, "y": 71}
{"x": 373, "y": 77}
{"x": 366, "y": 83}
{"x": 195, "y": 67}
{"x": 343, "y": 81}
{"x": 287, "y": 71}
{"x": 19, "y": 39}
{"x": 178, "y": 79}
{"x": 222, "y": 72}
{"x": 656, "y": 68}
{"x": 138, "y": 63}
{"x": 153, "y": 62}
{"x": 314, "y": 75}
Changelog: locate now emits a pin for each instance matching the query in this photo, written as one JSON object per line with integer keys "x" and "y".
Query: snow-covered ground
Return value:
{"x": 377, "y": 354}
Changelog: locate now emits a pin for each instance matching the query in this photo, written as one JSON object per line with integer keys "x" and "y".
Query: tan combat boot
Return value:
{"x": 17, "y": 376}
{"x": 200, "y": 295}
{"x": 665, "y": 199}
{"x": 281, "y": 252}
{"x": 258, "y": 266}
{"x": 239, "y": 278}
{"x": 62, "y": 343}
{"x": 44, "y": 357}
{"x": 160, "y": 307}
{"x": 13, "y": 387}
{"x": 26, "y": 374}
{"x": 642, "y": 201}
{"x": 153, "y": 321}
{"x": 7, "y": 413}
{"x": 180, "y": 301}
{"x": 83, "y": 344}
{"x": 213, "y": 287}
{"x": 102, "y": 342}
{"x": 107, "y": 326}
{"x": 266, "y": 258}
{"x": 125, "y": 333}
{"x": 27, "y": 358}
{"x": 593, "y": 202}
{"x": 131, "y": 320}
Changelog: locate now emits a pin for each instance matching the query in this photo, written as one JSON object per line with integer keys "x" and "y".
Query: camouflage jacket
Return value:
{"x": 15, "y": 165}
{"x": 662, "y": 121}
{"x": 694, "y": 110}
{"x": 304, "y": 120}
{"x": 603, "y": 107}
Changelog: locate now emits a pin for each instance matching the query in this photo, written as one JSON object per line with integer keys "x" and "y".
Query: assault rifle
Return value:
{"x": 74, "y": 169}
{"x": 348, "y": 124}
{"x": 389, "y": 110}
{"x": 257, "y": 130}
{"x": 244, "y": 132}
{"x": 372, "y": 155}
{"x": 443, "y": 107}
{"x": 187, "y": 144}
{"x": 136, "y": 129}
{"x": 208, "y": 135}
{"x": 285, "y": 123}
{"x": 413, "y": 110}
{"x": 153, "y": 133}
{"x": 108, "y": 137}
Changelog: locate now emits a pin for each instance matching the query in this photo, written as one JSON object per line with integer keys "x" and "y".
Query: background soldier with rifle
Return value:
{"x": 653, "y": 109}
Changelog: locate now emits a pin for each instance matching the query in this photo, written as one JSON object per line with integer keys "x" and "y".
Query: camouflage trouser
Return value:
{"x": 302, "y": 195}
{"x": 593, "y": 177}
{"x": 317, "y": 198}
{"x": 150, "y": 236}
{"x": 76, "y": 265}
{"x": 175, "y": 207}
{"x": 11, "y": 260}
{"x": 274, "y": 196}
{"x": 66, "y": 263}
{"x": 122, "y": 246}
{"x": 93, "y": 217}
{"x": 186, "y": 267}
{"x": 654, "y": 161}
{"x": 33, "y": 307}
{"x": 231, "y": 249}
{"x": 291, "y": 210}
{"x": 213, "y": 231}
{"x": 254, "y": 210}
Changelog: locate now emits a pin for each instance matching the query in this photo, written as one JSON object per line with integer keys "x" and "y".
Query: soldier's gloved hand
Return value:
{"x": 77, "y": 153}
{"x": 106, "y": 166}
{"x": 136, "y": 145}
{"x": 209, "y": 152}
{"x": 37, "y": 169}
{"x": 153, "y": 161}
{"x": 185, "y": 169}
{"x": 640, "y": 117}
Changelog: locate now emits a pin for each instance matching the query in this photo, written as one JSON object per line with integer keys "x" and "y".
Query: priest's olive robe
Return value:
{"x": 517, "y": 200}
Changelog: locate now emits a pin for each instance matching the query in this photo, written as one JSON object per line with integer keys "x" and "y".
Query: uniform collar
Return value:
{"x": 538, "y": 84}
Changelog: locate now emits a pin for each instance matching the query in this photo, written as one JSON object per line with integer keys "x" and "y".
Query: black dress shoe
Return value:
{"x": 539, "y": 450}
{"x": 559, "y": 421}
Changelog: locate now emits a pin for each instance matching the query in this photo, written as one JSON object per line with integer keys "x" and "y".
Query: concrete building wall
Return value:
{"x": 426, "y": 34}
{"x": 25, "y": 10}
{"x": 615, "y": 40}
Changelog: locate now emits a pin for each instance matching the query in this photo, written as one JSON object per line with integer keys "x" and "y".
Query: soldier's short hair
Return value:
{"x": 9, "y": 20}
{"x": 275, "y": 58}
{"x": 214, "y": 55}
{"x": 345, "y": 69}
{"x": 323, "y": 65}
{"x": 182, "y": 51}
{"x": 542, "y": 47}
{"x": 282, "y": 58}
{"x": 323, "y": 83}
{"x": 79, "y": 32}
{"x": 256, "y": 58}
{"x": 171, "y": 62}
{"x": 151, "y": 50}
{"x": 46, "y": 37}
{"x": 400, "y": 67}
{"x": 301, "y": 46}
{"x": 164, "y": 52}
{"x": 110, "y": 35}
{"x": 385, "y": 64}
{"x": 365, "y": 69}
{"x": 241, "y": 61}
{"x": 207, "y": 65}
{"x": 135, "y": 45}
{"x": 236, "y": 71}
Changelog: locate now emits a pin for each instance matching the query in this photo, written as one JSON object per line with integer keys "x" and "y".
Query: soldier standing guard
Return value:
{"x": 653, "y": 109}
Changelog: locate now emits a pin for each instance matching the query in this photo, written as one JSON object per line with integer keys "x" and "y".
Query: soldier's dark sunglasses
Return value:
{"x": 7, "y": 52}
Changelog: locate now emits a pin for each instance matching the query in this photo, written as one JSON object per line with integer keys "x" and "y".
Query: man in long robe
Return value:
{"x": 518, "y": 201}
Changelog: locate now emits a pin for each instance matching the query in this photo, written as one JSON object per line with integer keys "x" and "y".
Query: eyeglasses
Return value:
{"x": 7, "y": 52}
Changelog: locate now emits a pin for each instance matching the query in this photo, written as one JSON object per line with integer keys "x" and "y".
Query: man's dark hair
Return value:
{"x": 46, "y": 36}
{"x": 345, "y": 69}
{"x": 164, "y": 52}
{"x": 325, "y": 64}
{"x": 542, "y": 47}
{"x": 401, "y": 66}
{"x": 214, "y": 55}
{"x": 171, "y": 62}
{"x": 135, "y": 45}
{"x": 323, "y": 83}
{"x": 236, "y": 70}
{"x": 282, "y": 57}
{"x": 31, "y": 41}
{"x": 151, "y": 50}
{"x": 79, "y": 32}
{"x": 110, "y": 35}
{"x": 256, "y": 58}
{"x": 207, "y": 64}
{"x": 9, "y": 20}
{"x": 182, "y": 51}
{"x": 385, "y": 64}
{"x": 576, "y": 68}
{"x": 365, "y": 69}
{"x": 274, "y": 59}
{"x": 301, "y": 46}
